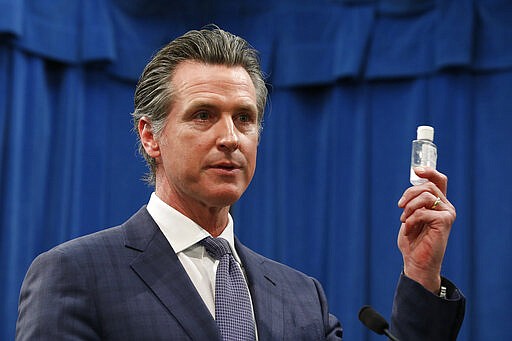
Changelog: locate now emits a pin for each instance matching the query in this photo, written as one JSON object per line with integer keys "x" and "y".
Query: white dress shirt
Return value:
{"x": 183, "y": 235}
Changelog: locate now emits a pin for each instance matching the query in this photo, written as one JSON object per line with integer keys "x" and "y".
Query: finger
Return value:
{"x": 415, "y": 191}
{"x": 425, "y": 200}
{"x": 422, "y": 218}
{"x": 437, "y": 203}
{"x": 434, "y": 176}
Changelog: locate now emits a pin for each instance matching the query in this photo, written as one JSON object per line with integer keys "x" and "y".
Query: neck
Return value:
{"x": 212, "y": 219}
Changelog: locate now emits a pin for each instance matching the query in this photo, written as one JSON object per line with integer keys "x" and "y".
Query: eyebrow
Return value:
{"x": 207, "y": 105}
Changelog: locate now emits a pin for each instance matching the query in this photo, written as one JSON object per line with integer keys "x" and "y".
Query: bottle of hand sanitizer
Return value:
{"x": 424, "y": 152}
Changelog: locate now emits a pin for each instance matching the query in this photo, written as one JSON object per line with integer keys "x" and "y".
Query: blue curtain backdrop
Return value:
{"x": 350, "y": 79}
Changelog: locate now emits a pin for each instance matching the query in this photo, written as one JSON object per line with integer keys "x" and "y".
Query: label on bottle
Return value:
{"x": 424, "y": 154}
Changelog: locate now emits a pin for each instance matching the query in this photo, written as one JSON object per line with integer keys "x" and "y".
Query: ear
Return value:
{"x": 147, "y": 138}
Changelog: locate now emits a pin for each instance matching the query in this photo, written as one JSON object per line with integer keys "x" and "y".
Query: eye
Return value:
{"x": 245, "y": 118}
{"x": 203, "y": 116}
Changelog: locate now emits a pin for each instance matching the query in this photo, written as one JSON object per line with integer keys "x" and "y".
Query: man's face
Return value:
{"x": 207, "y": 149}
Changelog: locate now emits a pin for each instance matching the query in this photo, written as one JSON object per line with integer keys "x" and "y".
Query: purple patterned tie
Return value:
{"x": 233, "y": 312}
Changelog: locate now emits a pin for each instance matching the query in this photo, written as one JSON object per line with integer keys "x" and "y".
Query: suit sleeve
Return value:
{"x": 332, "y": 325}
{"x": 55, "y": 301}
{"x": 418, "y": 314}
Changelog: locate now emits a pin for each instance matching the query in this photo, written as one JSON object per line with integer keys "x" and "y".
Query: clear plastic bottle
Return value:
{"x": 424, "y": 152}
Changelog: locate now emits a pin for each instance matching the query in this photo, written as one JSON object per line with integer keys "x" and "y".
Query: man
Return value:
{"x": 198, "y": 110}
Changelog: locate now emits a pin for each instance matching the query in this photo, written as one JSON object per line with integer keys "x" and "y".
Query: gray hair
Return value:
{"x": 154, "y": 92}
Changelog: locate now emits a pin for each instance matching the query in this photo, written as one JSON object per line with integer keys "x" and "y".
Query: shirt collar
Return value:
{"x": 181, "y": 231}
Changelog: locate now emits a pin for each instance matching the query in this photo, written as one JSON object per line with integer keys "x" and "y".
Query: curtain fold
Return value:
{"x": 350, "y": 81}
{"x": 346, "y": 39}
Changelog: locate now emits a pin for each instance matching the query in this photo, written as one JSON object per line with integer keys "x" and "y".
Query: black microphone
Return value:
{"x": 374, "y": 321}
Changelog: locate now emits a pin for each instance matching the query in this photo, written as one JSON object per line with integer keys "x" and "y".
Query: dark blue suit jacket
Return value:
{"x": 126, "y": 283}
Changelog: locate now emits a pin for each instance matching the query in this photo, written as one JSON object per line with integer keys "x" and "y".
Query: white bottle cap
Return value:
{"x": 425, "y": 133}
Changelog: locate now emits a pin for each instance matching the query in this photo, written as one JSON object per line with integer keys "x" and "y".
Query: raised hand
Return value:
{"x": 426, "y": 223}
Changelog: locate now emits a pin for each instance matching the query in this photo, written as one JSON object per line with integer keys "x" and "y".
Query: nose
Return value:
{"x": 228, "y": 138}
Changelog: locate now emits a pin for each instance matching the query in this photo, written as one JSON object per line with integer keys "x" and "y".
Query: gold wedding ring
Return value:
{"x": 436, "y": 203}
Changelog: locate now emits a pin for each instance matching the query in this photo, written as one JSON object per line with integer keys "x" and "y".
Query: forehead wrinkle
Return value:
{"x": 200, "y": 73}
{"x": 207, "y": 97}
{"x": 201, "y": 86}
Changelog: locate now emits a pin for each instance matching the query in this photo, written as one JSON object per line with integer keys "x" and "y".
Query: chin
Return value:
{"x": 225, "y": 198}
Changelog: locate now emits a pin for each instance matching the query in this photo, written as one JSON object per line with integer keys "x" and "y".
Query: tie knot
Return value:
{"x": 216, "y": 247}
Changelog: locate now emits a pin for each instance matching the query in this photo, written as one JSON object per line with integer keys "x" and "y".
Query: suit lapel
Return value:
{"x": 160, "y": 269}
{"x": 265, "y": 293}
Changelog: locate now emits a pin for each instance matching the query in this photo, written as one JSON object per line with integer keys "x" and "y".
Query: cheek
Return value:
{"x": 178, "y": 144}
{"x": 188, "y": 156}
{"x": 251, "y": 155}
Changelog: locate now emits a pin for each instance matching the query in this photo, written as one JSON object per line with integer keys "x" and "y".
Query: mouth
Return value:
{"x": 225, "y": 166}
